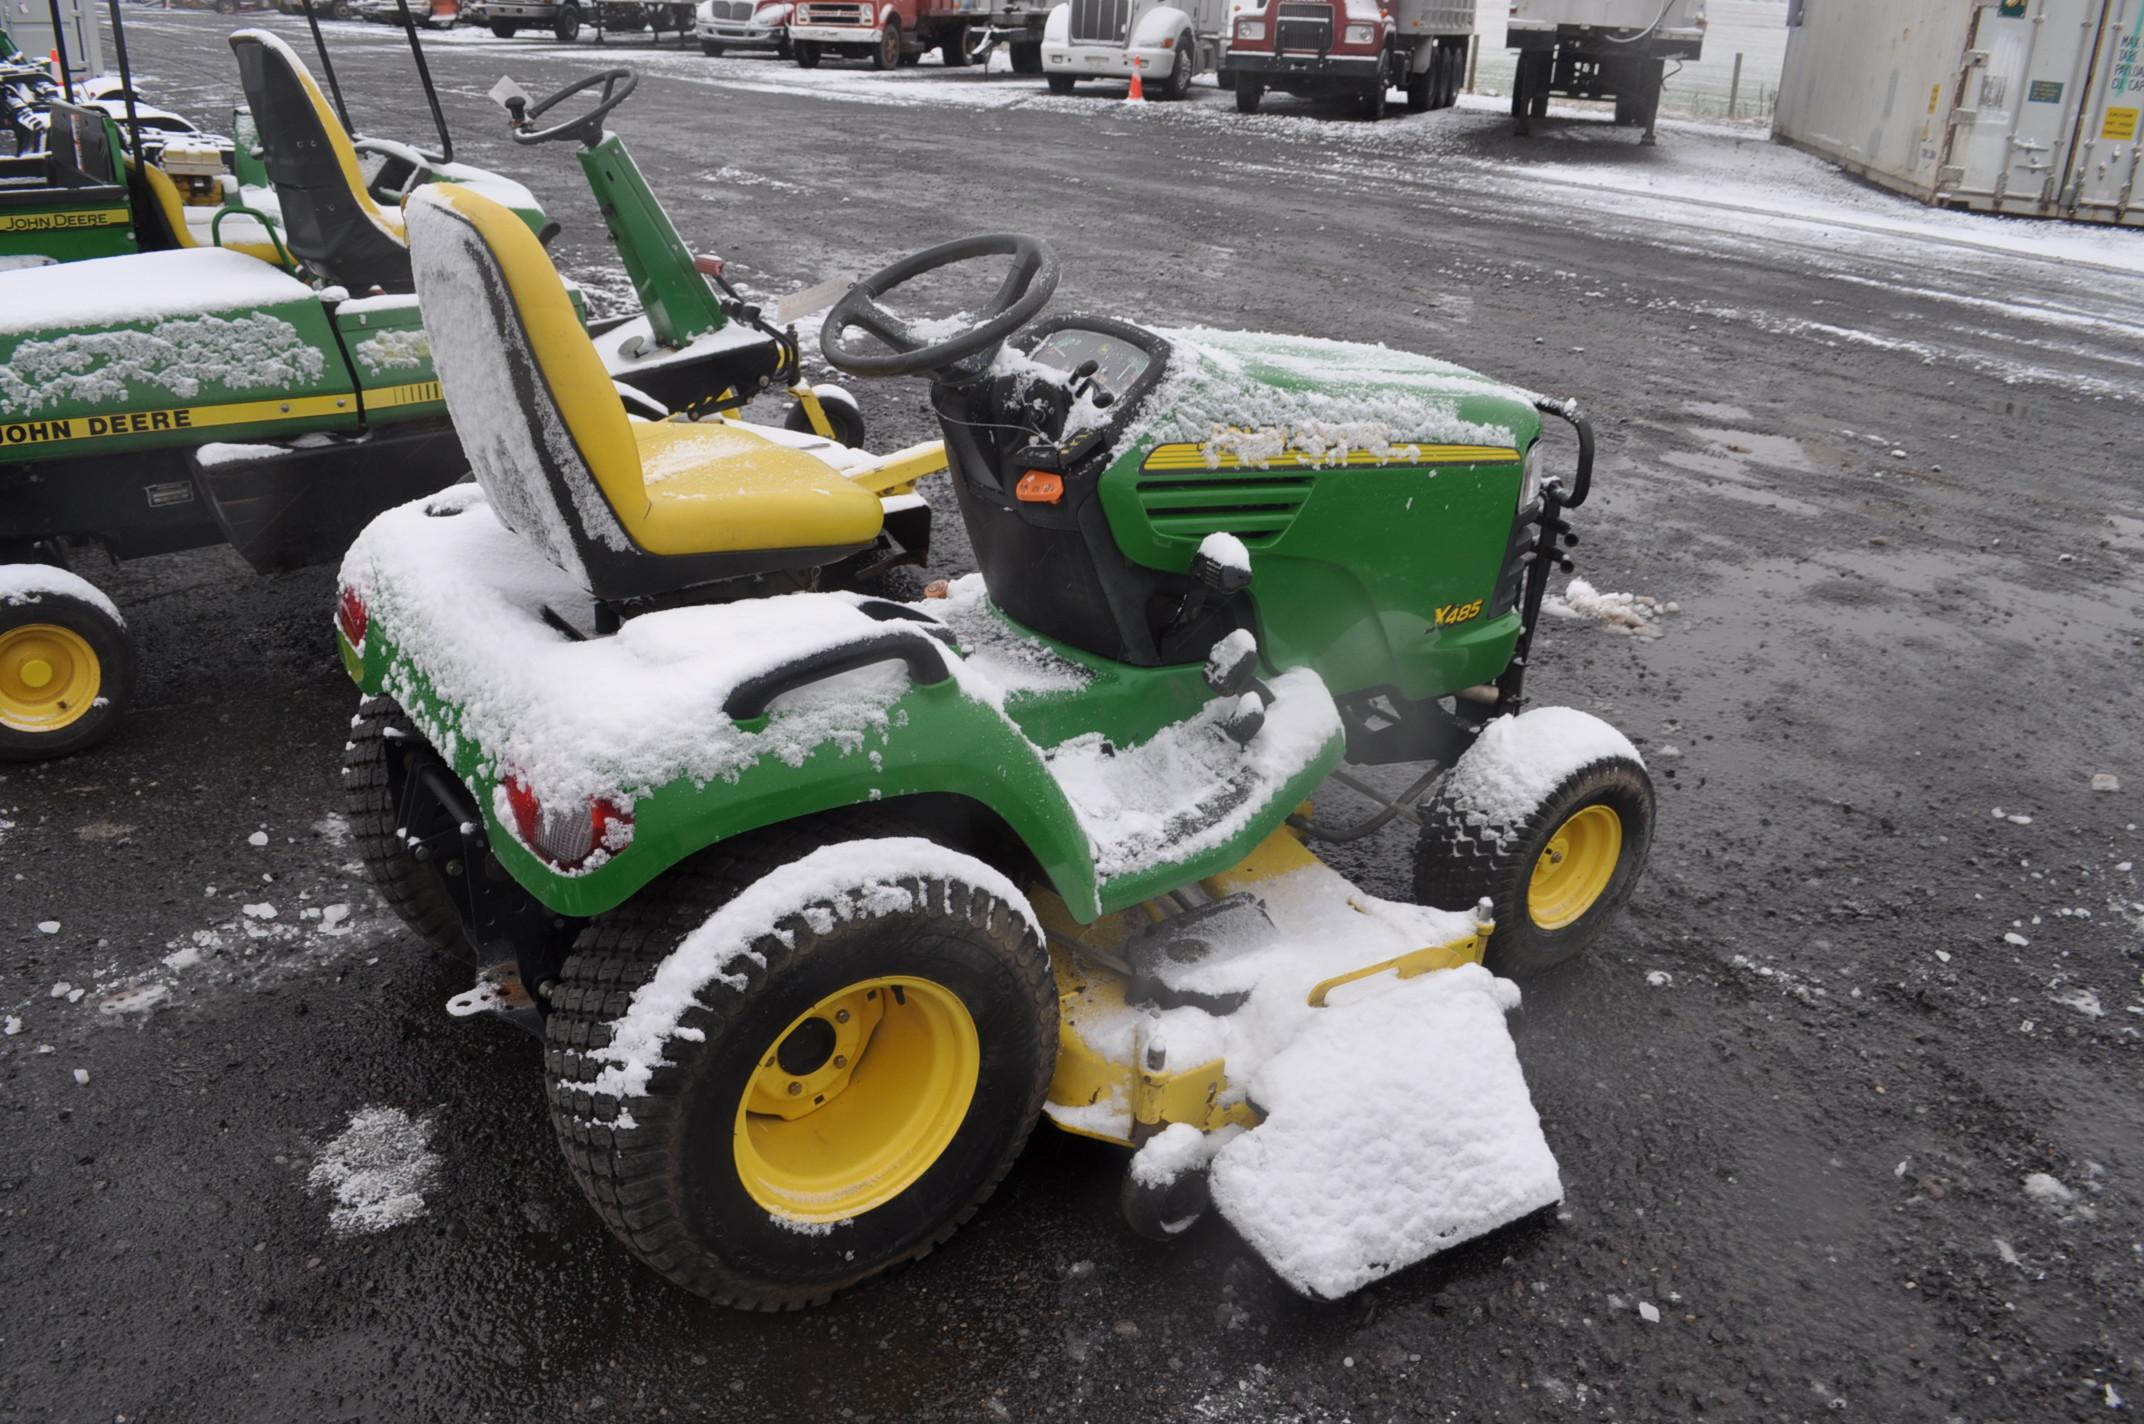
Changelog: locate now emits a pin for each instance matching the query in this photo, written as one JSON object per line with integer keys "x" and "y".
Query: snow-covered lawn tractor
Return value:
{"x": 820, "y": 900}
{"x": 167, "y": 400}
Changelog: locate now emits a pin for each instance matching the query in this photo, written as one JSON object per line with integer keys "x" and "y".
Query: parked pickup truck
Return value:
{"x": 1165, "y": 42}
{"x": 743, "y": 24}
{"x": 1355, "y": 48}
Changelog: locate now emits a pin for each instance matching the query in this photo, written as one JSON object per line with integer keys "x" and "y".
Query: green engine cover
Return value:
{"x": 1376, "y": 491}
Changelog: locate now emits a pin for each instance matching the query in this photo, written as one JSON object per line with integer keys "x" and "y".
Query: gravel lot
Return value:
{"x": 1885, "y": 969}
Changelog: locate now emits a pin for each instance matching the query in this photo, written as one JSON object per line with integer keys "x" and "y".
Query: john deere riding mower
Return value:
{"x": 168, "y": 400}
{"x": 820, "y": 900}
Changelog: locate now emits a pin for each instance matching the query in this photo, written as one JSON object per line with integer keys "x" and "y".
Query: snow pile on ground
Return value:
{"x": 378, "y": 1168}
{"x": 1395, "y": 1127}
{"x": 1191, "y": 787}
{"x": 1518, "y": 761}
{"x": 831, "y": 884}
{"x": 1618, "y": 612}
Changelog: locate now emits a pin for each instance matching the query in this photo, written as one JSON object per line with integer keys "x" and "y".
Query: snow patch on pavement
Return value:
{"x": 1617, "y": 612}
{"x": 378, "y": 1169}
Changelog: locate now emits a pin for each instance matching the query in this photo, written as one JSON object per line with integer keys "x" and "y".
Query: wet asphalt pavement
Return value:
{"x": 1796, "y": 1094}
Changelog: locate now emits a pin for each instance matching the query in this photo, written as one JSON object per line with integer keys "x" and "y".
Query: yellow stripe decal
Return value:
{"x": 415, "y": 393}
{"x": 157, "y": 422}
{"x": 57, "y": 222}
{"x": 1185, "y": 456}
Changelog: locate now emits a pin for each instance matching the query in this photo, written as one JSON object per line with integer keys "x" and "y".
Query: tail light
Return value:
{"x": 352, "y": 618}
{"x": 569, "y": 837}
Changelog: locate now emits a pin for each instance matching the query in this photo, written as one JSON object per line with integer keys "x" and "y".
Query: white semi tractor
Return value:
{"x": 1600, "y": 49}
{"x": 1164, "y": 42}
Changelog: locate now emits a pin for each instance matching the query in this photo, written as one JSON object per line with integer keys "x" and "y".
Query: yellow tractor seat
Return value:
{"x": 330, "y": 223}
{"x": 631, "y": 510}
{"x": 168, "y": 212}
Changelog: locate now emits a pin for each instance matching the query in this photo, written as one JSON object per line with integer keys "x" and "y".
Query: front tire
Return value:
{"x": 1178, "y": 85}
{"x": 1248, "y": 92}
{"x": 1027, "y": 57}
{"x": 1556, "y": 869}
{"x": 1059, "y": 84}
{"x": 66, "y": 676}
{"x": 806, "y": 54}
{"x": 833, "y": 1112}
{"x": 842, "y": 413}
{"x": 711, "y": 49}
{"x": 566, "y": 28}
{"x": 888, "y": 53}
{"x": 953, "y": 47}
{"x": 504, "y": 29}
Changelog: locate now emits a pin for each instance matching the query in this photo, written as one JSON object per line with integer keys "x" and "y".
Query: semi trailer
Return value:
{"x": 1600, "y": 49}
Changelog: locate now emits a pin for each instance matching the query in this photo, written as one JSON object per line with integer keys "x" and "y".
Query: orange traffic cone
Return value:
{"x": 1138, "y": 94}
{"x": 54, "y": 64}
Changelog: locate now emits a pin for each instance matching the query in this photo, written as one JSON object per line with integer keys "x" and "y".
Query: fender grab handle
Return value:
{"x": 896, "y": 642}
{"x": 1582, "y": 482}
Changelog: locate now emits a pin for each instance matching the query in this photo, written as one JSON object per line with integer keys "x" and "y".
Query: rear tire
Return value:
{"x": 417, "y": 892}
{"x": 1248, "y": 92}
{"x": 66, "y": 676}
{"x": 701, "y": 1189}
{"x": 1462, "y": 857}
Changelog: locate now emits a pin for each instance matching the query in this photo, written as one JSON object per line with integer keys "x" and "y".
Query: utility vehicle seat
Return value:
{"x": 330, "y": 222}
{"x": 160, "y": 215}
{"x": 631, "y": 510}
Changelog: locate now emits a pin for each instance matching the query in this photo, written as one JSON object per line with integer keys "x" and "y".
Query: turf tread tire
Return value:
{"x": 410, "y": 890}
{"x": 1460, "y": 859}
{"x": 626, "y": 1173}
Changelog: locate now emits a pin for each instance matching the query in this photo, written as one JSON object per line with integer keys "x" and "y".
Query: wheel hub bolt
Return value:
{"x": 841, "y": 1016}
{"x": 795, "y": 1088}
{"x": 841, "y": 1060}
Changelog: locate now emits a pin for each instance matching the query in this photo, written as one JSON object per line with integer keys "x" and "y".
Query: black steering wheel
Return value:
{"x": 617, "y": 84}
{"x": 1026, "y": 289}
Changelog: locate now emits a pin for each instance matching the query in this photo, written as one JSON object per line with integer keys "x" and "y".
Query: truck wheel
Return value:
{"x": 888, "y": 53}
{"x": 1059, "y": 84}
{"x": 1226, "y": 79}
{"x": 838, "y": 1099}
{"x": 66, "y": 671}
{"x": 567, "y": 26}
{"x": 1421, "y": 97}
{"x": 1178, "y": 85}
{"x": 1027, "y": 57}
{"x": 341, "y": 10}
{"x": 711, "y": 48}
{"x": 806, "y": 54}
{"x": 953, "y": 47}
{"x": 1556, "y": 869}
{"x": 418, "y": 892}
{"x": 1537, "y": 92}
{"x": 1248, "y": 92}
{"x": 504, "y": 29}
{"x": 1375, "y": 99}
{"x": 226, "y": 7}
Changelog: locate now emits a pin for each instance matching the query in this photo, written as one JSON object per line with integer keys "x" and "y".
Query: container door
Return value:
{"x": 2039, "y": 56}
{"x": 2103, "y": 174}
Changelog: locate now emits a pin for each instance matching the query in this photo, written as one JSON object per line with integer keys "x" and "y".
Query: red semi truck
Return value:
{"x": 1359, "y": 48}
{"x": 895, "y": 32}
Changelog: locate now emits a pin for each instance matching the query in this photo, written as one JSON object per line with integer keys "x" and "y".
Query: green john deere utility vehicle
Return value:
{"x": 819, "y": 899}
{"x": 166, "y": 400}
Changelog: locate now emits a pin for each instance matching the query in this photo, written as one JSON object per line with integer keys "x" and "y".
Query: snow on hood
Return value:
{"x": 143, "y": 287}
{"x": 1258, "y": 395}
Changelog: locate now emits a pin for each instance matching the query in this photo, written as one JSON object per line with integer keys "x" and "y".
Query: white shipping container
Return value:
{"x": 1667, "y": 15}
{"x": 2028, "y": 107}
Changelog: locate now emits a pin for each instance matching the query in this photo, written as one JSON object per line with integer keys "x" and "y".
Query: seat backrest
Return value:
{"x": 543, "y": 427}
{"x": 330, "y": 222}
{"x": 79, "y": 146}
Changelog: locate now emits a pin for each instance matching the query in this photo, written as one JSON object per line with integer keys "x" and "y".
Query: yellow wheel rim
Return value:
{"x": 1576, "y": 867}
{"x": 856, "y": 1098}
{"x": 49, "y": 677}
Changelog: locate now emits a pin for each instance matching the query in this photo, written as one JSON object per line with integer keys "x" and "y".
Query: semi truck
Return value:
{"x": 1354, "y": 48}
{"x": 895, "y": 32}
{"x": 1600, "y": 49}
{"x": 1165, "y": 42}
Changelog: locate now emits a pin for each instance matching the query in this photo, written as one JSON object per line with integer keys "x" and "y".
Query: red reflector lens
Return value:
{"x": 568, "y": 838}
{"x": 351, "y": 617}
